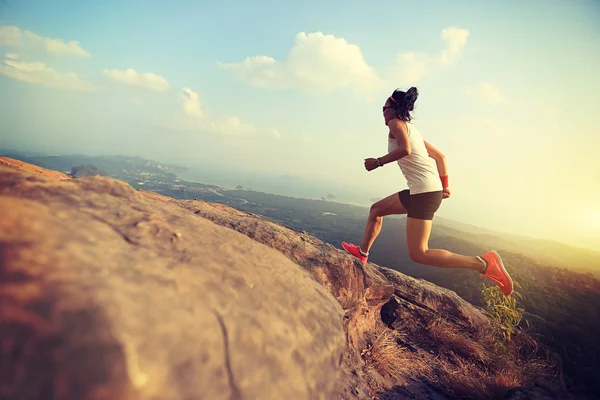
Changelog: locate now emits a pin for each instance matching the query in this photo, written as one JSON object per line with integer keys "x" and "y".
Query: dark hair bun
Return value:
{"x": 411, "y": 97}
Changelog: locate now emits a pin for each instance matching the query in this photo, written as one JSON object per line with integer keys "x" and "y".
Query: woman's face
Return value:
{"x": 388, "y": 112}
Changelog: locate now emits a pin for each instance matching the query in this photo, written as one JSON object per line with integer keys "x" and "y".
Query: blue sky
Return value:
{"x": 508, "y": 91}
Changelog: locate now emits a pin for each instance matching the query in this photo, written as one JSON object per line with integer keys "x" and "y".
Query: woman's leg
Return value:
{"x": 417, "y": 238}
{"x": 388, "y": 206}
{"x": 490, "y": 264}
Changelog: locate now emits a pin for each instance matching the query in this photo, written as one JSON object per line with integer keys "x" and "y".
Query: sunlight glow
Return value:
{"x": 594, "y": 218}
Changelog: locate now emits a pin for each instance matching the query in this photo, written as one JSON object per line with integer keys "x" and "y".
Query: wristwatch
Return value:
{"x": 379, "y": 162}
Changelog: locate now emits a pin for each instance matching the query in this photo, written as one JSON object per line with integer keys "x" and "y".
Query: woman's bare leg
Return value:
{"x": 387, "y": 206}
{"x": 417, "y": 238}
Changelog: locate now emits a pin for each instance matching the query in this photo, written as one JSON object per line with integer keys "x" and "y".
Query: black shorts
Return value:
{"x": 421, "y": 205}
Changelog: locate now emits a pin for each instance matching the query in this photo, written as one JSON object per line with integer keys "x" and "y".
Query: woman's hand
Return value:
{"x": 371, "y": 164}
{"x": 446, "y": 193}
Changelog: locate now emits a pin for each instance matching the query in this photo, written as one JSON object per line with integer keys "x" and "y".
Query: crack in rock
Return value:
{"x": 235, "y": 392}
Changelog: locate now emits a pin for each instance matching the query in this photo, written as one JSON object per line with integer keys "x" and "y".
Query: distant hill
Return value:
{"x": 87, "y": 170}
{"x": 113, "y": 165}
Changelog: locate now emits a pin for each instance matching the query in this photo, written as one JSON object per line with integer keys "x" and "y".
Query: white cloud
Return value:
{"x": 130, "y": 77}
{"x": 190, "y": 103}
{"x": 456, "y": 39}
{"x": 38, "y": 73}
{"x": 12, "y": 36}
{"x": 486, "y": 92}
{"x": 411, "y": 67}
{"x": 316, "y": 63}
{"x": 12, "y": 56}
{"x": 195, "y": 118}
{"x": 136, "y": 101}
{"x": 320, "y": 63}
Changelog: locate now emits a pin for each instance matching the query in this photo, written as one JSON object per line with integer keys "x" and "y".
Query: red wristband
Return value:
{"x": 444, "y": 181}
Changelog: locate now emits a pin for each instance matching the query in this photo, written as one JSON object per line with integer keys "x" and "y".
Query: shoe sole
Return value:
{"x": 505, "y": 271}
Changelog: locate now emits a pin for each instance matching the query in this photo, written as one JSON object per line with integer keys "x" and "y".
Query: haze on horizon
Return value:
{"x": 508, "y": 91}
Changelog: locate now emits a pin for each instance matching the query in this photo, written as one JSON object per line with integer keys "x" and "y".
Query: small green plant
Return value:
{"x": 503, "y": 310}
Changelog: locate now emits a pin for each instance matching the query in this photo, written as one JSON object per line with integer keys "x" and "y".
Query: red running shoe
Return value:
{"x": 355, "y": 251}
{"x": 497, "y": 273}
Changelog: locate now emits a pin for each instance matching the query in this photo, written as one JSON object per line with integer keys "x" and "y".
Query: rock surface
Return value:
{"x": 108, "y": 292}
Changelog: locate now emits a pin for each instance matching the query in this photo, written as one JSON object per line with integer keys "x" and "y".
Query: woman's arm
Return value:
{"x": 439, "y": 158}
{"x": 399, "y": 132}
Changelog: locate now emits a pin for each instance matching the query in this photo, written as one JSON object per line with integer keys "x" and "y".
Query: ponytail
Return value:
{"x": 404, "y": 102}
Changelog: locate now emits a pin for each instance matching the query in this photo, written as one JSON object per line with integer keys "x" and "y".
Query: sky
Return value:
{"x": 508, "y": 91}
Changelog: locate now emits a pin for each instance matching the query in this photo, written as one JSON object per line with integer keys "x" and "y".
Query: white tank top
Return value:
{"x": 418, "y": 168}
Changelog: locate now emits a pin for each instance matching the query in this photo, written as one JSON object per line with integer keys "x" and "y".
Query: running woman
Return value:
{"x": 426, "y": 172}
